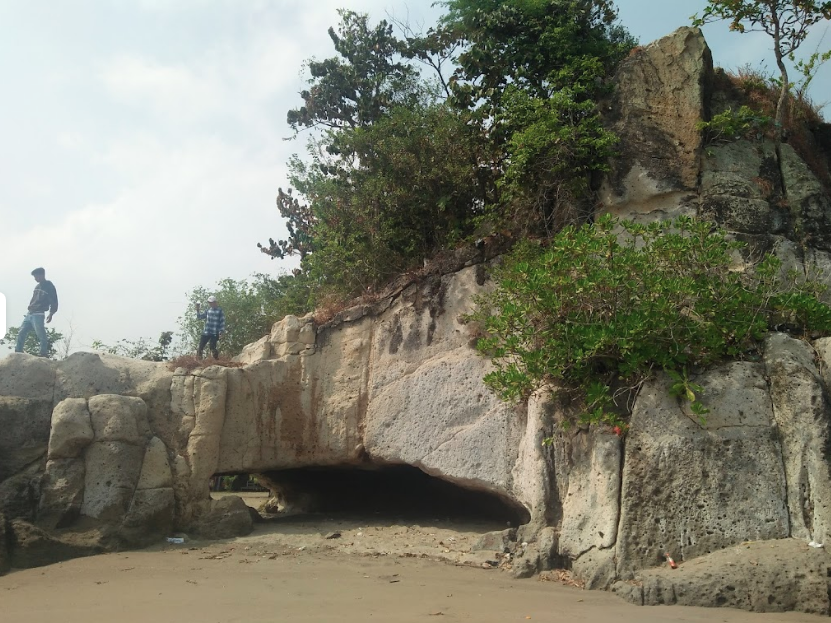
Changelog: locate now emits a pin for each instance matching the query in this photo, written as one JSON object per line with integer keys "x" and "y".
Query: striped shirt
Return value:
{"x": 214, "y": 319}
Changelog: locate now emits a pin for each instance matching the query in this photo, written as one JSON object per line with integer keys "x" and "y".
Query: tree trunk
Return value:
{"x": 782, "y": 104}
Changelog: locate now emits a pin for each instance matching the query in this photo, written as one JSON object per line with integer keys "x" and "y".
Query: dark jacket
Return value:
{"x": 44, "y": 298}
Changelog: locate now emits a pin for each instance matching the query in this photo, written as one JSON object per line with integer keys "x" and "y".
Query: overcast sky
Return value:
{"x": 143, "y": 141}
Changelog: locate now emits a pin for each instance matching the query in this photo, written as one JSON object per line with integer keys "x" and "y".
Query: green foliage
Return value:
{"x": 32, "y": 343}
{"x": 362, "y": 83}
{"x": 531, "y": 72}
{"x": 531, "y": 44}
{"x": 409, "y": 187}
{"x": 396, "y": 175}
{"x": 732, "y": 125}
{"x": 139, "y": 349}
{"x": 787, "y": 22}
{"x": 250, "y": 310}
{"x": 683, "y": 387}
{"x": 808, "y": 70}
{"x": 555, "y": 144}
{"x": 300, "y": 223}
{"x": 594, "y": 310}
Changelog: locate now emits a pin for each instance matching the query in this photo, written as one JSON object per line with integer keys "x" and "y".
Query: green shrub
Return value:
{"x": 599, "y": 309}
{"x": 732, "y": 125}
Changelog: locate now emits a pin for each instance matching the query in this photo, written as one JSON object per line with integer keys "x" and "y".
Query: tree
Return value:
{"x": 32, "y": 344}
{"x": 140, "y": 349}
{"x": 531, "y": 72}
{"x": 786, "y": 21}
{"x": 394, "y": 175}
{"x": 300, "y": 222}
{"x": 404, "y": 166}
{"x": 358, "y": 86}
{"x": 538, "y": 46}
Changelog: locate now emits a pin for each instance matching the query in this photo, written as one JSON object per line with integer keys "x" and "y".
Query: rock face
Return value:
{"x": 675, "y": 497}
{"x": 663, "y": 91}
{"x": 121, "y": 451}
{"x": 768, "y": 576}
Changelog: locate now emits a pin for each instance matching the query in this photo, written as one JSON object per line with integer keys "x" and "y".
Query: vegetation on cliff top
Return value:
{"x": 486, "y": 123}
{"x": 404, "y": 163}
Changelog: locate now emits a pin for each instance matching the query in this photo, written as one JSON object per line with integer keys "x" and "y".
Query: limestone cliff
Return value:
{"x": 124, "y": 449}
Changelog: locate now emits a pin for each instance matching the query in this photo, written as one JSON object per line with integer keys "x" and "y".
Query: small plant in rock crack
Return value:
{"x": 682, "y": 387}
{"x": 732, "y": 125}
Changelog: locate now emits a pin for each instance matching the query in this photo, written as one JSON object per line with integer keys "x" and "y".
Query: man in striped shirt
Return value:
{"x": 214, "y": 319}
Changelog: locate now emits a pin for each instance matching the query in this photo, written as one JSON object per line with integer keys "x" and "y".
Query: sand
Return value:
{"x": 388, "y": 569}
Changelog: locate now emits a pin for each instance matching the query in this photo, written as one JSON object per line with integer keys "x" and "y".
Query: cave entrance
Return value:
{"x": 394, "y": 491}
{"x": 246, "y": 486}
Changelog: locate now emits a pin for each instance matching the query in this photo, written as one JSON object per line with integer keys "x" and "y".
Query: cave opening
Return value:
{"x": 395, "y": 491}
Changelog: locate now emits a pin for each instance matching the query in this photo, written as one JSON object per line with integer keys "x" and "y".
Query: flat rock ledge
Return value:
{"x": 761, "y": 576}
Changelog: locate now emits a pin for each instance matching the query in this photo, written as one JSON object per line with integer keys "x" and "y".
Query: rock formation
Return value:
{"x": 101, "y": 451}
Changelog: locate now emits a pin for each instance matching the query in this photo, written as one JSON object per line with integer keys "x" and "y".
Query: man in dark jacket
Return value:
{"x": 44, "y": 299}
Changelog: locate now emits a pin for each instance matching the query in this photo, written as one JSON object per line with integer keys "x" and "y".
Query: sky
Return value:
{"x": 143, "y": 142}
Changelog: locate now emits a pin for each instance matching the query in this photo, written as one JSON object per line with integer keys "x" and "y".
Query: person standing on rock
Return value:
{"x": 214, "y": 319}
{"x": 44, "y": 299}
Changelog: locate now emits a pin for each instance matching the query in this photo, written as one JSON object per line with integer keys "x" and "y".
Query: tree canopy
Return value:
{"x": 359, "y": 85}
{"x": 404, "y": 164}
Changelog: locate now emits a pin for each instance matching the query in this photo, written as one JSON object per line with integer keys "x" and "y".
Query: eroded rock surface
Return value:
{"x": 764, "y": 576}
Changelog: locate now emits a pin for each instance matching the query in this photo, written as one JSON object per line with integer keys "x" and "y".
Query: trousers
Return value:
{"x": 205, "y": 339}
{"x": 32, "y": 321}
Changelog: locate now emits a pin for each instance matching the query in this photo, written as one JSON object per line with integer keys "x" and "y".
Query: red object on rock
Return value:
{"x": 671, "y": 562}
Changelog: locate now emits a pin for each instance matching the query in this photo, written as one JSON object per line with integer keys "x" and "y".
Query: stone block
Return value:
{"x": 71, "y": 429}
{"x": 112, "y": 473}
{"x": 117, "y": 418}
{"x": 61, "y": 493}
{"x": 155, "y": 470}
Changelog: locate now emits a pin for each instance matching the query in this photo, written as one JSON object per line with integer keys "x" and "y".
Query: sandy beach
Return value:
{"x": 379, "y": 568}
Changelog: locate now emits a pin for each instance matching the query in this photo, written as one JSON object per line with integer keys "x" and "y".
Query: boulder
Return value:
{"x": 659, "y": 98}
{"x": 83, "y": 375}
{"x": 226, "y": 518}
{"x": 32, "y": 547}
{"x": 19, "y": 494}
{"x": 155, "y": 469}
{"x": 587, "y": 465}
{"x": 763, "y": 576}
{"x": 809, "y": 202}
{"x": 526, "y": 563}
{"x": 149, "y": 518}
{"x": 5, "y": 544}
{"x": 501, "y": 541}
{"x": 29, "y": 377}
{"x": 118, "y": 418}
{"x": 291, "y": 336}
{"x": 443, "y": 419}
{"x": 256, "y": 351}
{"x": 801, "y": 410}
{"x": 741, "y": 189}
{"x": 71, "y": 429}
